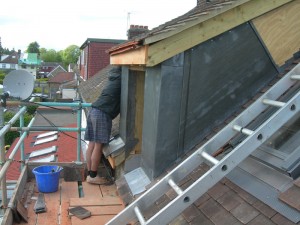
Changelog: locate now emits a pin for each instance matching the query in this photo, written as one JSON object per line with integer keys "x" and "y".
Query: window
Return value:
{"x": 44, "y": 151}
{"x": 44, "y": 140}
{"x": 50, "y": 158}
{"x": 46, "y": 134}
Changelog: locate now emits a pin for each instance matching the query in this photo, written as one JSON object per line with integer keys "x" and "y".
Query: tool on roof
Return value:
{"x": 220, "y": 168}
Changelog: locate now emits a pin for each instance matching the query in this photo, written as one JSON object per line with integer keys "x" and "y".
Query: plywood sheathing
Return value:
{"x": 280, "y": 31}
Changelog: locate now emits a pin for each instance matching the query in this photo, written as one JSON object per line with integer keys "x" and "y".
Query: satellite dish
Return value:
{"x": 19, "y": 84}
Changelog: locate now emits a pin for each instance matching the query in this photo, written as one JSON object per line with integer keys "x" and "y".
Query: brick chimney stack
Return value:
{"x": 136, "y": 30}
{"x": 204, "y": 3}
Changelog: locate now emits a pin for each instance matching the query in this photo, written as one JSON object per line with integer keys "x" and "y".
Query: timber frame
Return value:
{"x": 169, "y": 42}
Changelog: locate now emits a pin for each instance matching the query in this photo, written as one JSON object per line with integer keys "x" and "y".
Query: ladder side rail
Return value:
{"x": 253, "y": 110}
{"x": 148, "y": 198}
{"x": 228, "y": 163}
{"x": 216, "y": 142}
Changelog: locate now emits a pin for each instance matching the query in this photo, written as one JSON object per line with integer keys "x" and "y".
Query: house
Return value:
{"x": 55, "y": 71}
{"x": 58, "y": 81}
{"x": 30, "y": 62}
{"x": 93, "y": 55}
{"x": 10, "y": 62}
{"x": 184, "y": 80}
{"x": 47, "y": 67}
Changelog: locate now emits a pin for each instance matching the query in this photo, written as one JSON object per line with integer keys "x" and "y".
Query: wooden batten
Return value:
{"x": 167, "y": 48}
{"x": 115, "y": 161}
{"x": 18, "y": 191}
{"x": 136, "y": 56}
{"x": 280, "y": 31}
{"x": 139, "y": 110}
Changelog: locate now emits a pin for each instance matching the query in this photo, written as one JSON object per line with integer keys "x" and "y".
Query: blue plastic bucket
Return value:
{"x": 47, "y": 178}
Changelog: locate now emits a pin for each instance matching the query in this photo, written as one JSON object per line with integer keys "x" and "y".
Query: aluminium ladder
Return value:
{"x": 220, "y": 168}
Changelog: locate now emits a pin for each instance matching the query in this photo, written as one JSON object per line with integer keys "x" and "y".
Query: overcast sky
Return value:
{"x": 57, "y": 24}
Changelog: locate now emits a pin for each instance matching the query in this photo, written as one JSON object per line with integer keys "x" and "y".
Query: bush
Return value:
{"x": 10, "y": 136}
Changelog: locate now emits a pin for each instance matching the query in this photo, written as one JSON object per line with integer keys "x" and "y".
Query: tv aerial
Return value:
{"x": 18, "y": 84}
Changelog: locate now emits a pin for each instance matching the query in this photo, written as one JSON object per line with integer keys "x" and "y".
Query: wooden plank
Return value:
{"x": 93, "y": 201}
{"x": 104, "y": 210}
{"x": 92, "y": 220}
{"x": 133, "y": 57}
{"x": 68, "y": 190}
{"x": 8, "y": 218}
{"x": 165, "y": 49}
{"x": 280, "y": 31}
{"x": 91, "y": 190}
{"x": 32, "y": 216}
{"x": 109, "y": 190}
{"x": 51, "y": 216}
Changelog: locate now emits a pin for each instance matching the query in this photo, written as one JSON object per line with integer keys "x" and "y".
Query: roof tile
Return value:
{"x": 245, "y": 213}
{"x": 230, "y": 200}
{"x": 261, "y": 220}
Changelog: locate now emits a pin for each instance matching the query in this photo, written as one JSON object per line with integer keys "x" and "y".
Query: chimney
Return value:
{"x": 204, "y": 3}
{"x": 136, "y": 30}
{"x": 19, "y": 53}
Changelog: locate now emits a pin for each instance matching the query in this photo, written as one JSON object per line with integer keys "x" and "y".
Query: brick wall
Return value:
{"x": 98, "y": 58}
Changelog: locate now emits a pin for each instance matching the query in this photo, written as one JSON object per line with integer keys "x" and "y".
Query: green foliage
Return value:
{"x": 32, "y": 109}
{"x": 2, "y": 75}
{"x": 33, "y": 47}
{"x": 42, "y": 79}
{"x": 10, "y": 136}
{"x": 39, "y": 90}
{"x": 70, "y": 55}
{"x": 50, "y": 55}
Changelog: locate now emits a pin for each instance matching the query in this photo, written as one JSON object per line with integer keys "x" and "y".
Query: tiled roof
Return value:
{"x": 62, "y": 77}
{"x": 225, "y": 203}
{"x": 11, "y": 59}
{"x": 66, "y": 142}
{"x": 66, "y": 150}
{"x": 52, "y": 64}
{"x": 55, "y": 71}
{"x": 197, "y": 14}
{"x": 30, "y": 59}
{"x": 91, "y": 89}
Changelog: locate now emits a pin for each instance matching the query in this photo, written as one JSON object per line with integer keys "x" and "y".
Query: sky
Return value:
{"x": 57, "y": 24}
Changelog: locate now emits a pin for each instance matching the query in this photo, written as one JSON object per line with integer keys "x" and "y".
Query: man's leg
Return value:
{"x": 88, "y": 154}
{"x": 95, "y": 161}
{"x": 96, "y": 156}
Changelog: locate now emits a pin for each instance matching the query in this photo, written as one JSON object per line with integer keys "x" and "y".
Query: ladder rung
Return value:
{"x": 295, "y": 77}
{"x": 139, "y": 215}
{"x": 209, "y": 158}
{"x": 175, "y": 187}
{"x": 243, "y": 130}
{"x": 273, "y": 103}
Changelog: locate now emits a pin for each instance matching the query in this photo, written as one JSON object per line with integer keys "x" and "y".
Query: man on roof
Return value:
{"x": 99, "y": 123}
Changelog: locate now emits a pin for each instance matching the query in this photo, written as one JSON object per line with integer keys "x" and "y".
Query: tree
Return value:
{"x": 70, "y": 55}
{"x": 50, "y": 55}
{"x": 2, "y": 75}
{"x": 33, "y": 47}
